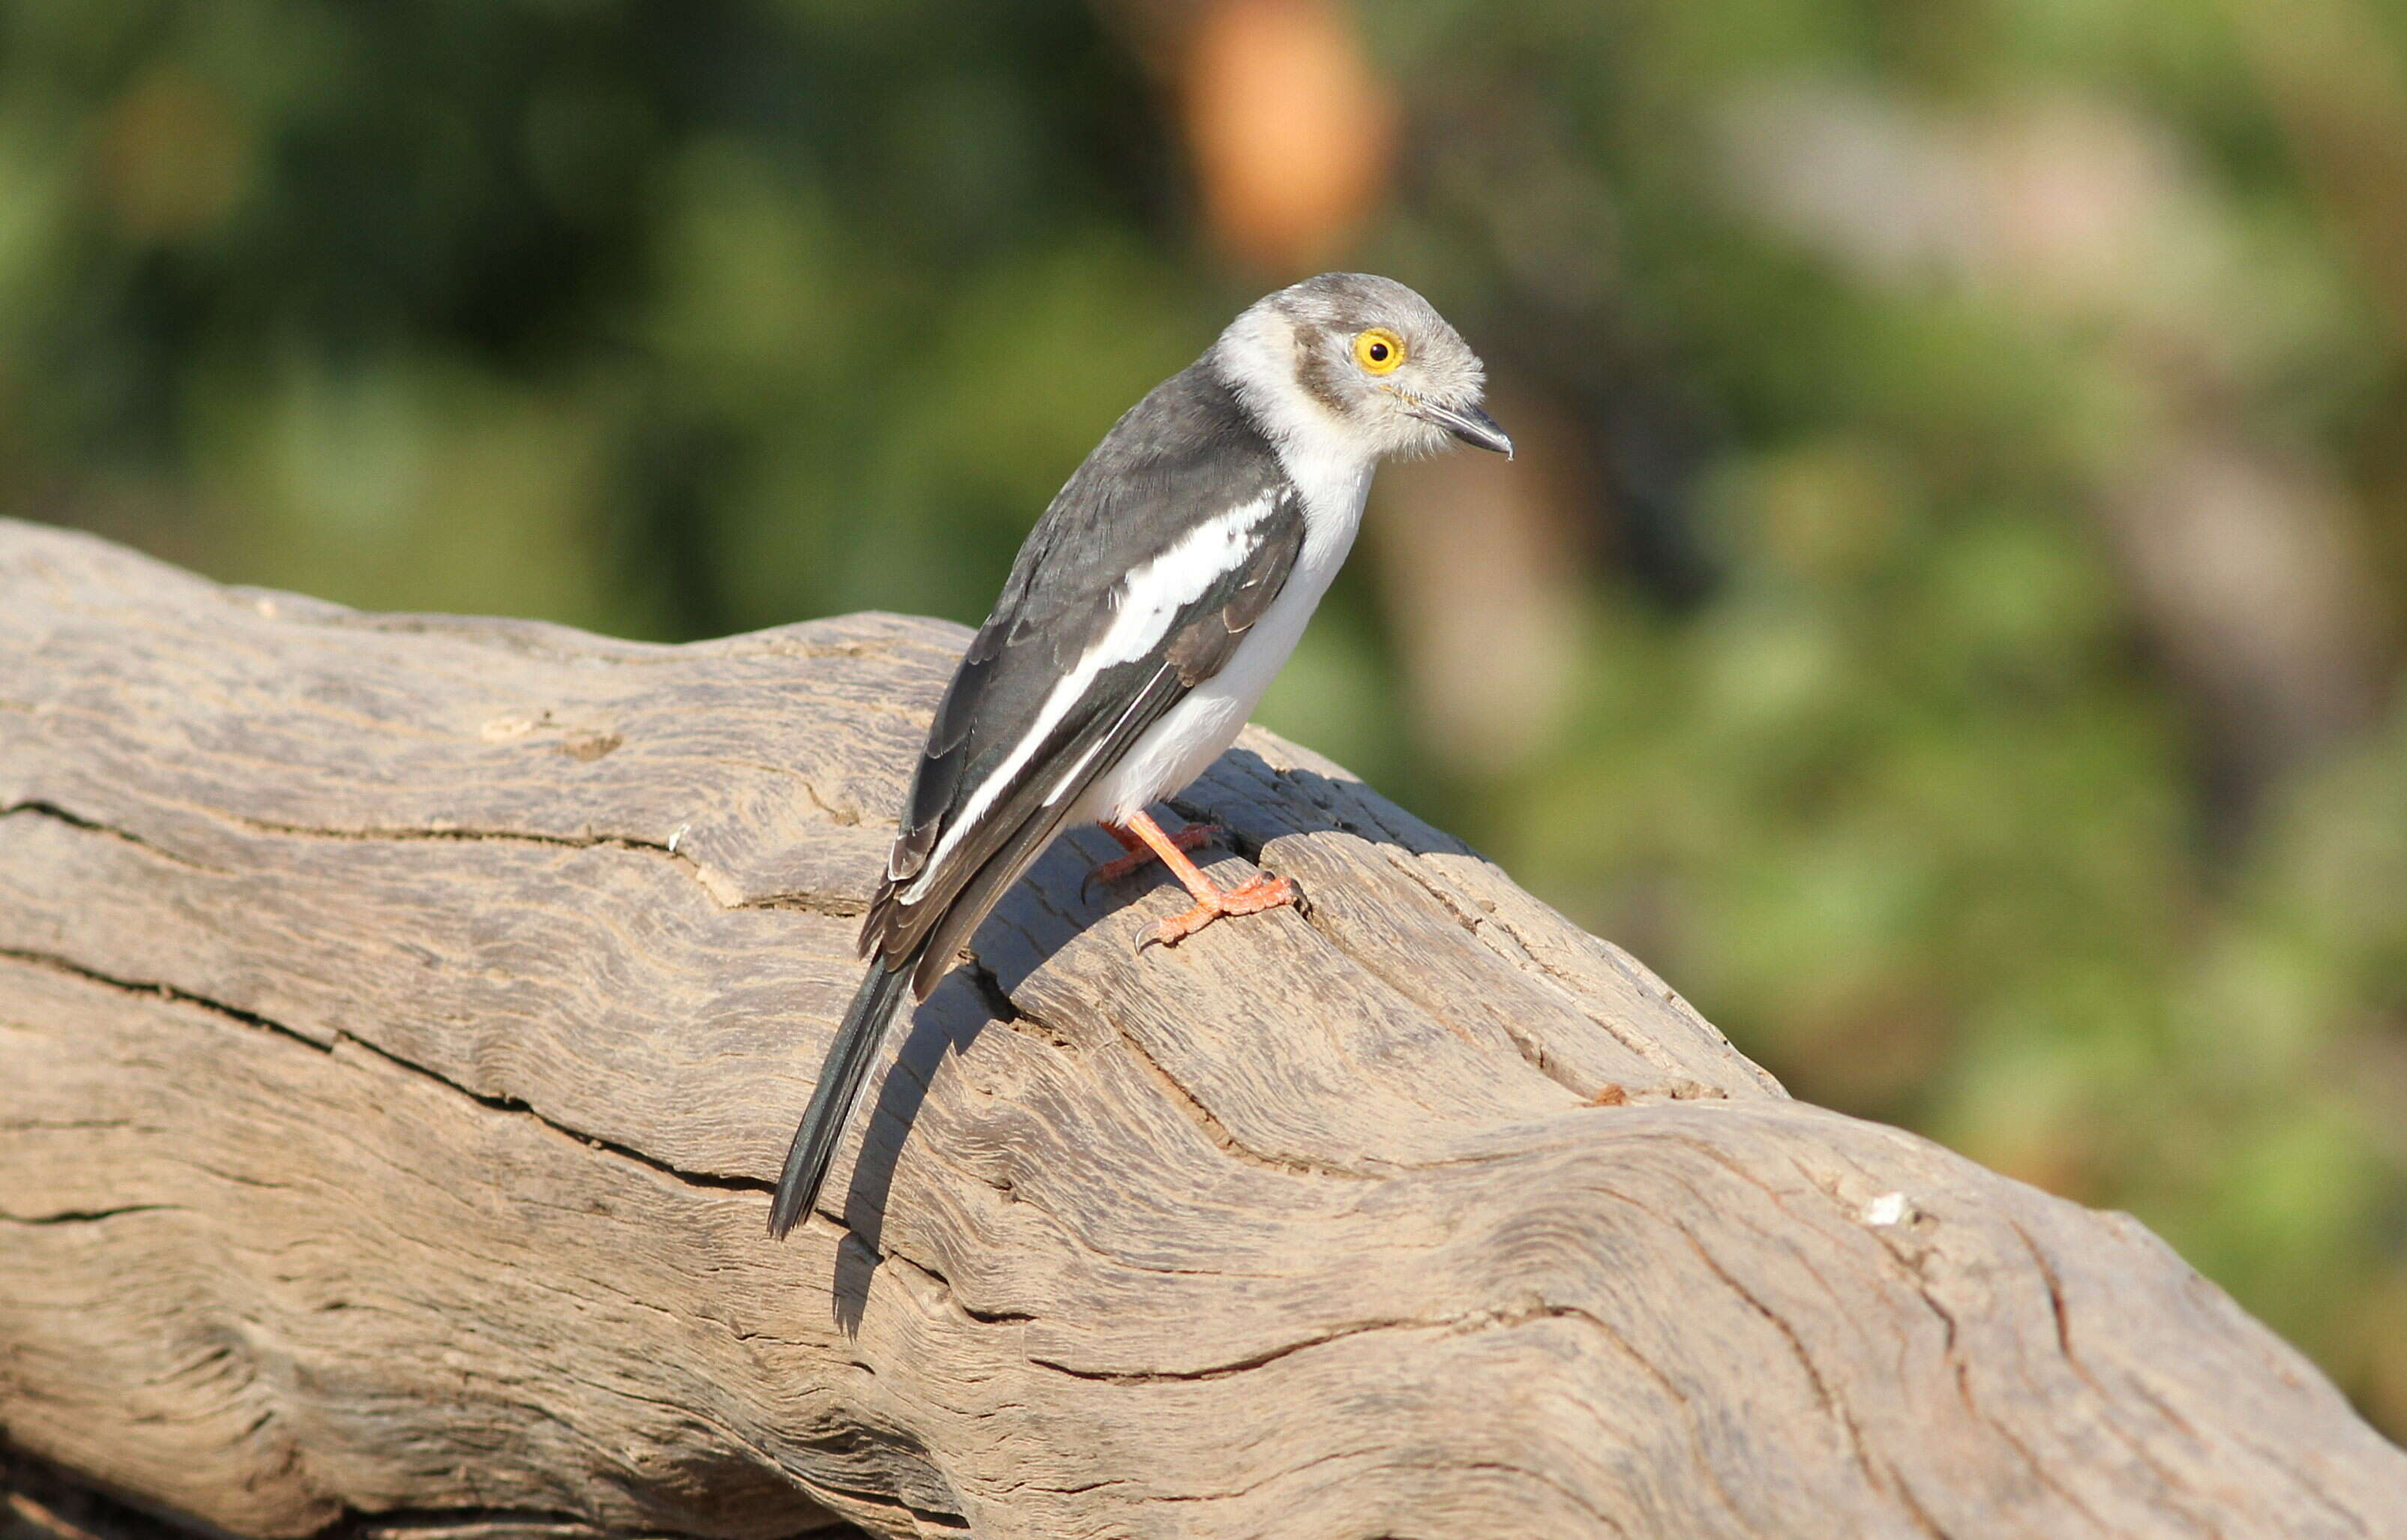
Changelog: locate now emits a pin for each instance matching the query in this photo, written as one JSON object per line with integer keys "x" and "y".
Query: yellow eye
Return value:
{"x": 1378, "y": 351}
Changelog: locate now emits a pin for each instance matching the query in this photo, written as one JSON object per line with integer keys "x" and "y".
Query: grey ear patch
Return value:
{"x": 1315, "y": 370}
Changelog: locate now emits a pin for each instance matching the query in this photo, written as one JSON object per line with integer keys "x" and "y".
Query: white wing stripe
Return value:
{"x": 1068, "y": 777}
{"x": 1147, "y": 601}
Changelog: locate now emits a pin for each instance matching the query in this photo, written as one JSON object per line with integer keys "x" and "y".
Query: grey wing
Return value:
{"x": 1012, "y": 747}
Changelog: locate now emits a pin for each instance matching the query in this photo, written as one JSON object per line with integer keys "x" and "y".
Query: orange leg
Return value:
{"x": 1211, "y": 902}
{"x": 1140, "y": 855}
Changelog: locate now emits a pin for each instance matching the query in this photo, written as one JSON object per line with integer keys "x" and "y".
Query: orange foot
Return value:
{"x": 1141, "y": 855}
{"x": 1263, "y": 892}
{"x": 1211, "y": 902}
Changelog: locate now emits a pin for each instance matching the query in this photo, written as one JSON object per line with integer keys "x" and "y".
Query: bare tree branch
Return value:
{"x": 401, "y": 1020}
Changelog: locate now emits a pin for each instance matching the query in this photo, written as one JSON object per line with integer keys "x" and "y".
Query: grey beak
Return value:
{"x": 1471, "y": 424}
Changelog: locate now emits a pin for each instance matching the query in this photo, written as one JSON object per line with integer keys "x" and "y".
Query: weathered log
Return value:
{"x": 402, "y": 1017}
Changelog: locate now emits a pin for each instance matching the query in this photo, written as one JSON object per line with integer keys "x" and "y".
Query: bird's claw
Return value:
{"x": 1264, "y": 891}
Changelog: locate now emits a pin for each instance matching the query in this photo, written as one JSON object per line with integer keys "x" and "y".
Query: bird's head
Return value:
{"x": 1355, "y": 362}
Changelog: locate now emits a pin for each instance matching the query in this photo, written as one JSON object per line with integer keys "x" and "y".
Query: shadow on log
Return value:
{"x": 401, "y": 1018}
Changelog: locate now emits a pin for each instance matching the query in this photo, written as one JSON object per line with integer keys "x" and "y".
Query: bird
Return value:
{"x": 1146, "y": 613}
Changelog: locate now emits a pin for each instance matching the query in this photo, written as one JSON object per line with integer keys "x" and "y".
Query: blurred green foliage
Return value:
{"x": 1876, "y": 333}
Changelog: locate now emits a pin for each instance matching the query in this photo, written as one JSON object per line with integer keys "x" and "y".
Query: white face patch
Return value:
{"x": 1256, "y": 355}
{"x": 1144, "y": 604}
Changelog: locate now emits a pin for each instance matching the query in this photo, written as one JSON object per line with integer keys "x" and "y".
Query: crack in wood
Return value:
{"x": 1219, "y": 1132}
{"x": 85, "y": 1215}
{"x": 836, "y": 906}
{"x": 53, "y": 811}
{"x": 252, "y": 1019}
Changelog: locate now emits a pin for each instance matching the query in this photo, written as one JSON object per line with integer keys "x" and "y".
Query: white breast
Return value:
{"x": 1199, "y": 728}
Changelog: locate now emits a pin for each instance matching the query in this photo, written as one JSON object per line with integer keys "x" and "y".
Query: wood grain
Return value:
{"x": 402, "y": 1017}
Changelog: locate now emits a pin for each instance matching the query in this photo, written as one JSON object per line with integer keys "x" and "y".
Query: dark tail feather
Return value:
{"x": 848, "y": 1065}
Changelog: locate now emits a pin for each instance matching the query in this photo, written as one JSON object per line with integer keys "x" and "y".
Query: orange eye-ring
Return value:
{"x": 1378, "y": 351}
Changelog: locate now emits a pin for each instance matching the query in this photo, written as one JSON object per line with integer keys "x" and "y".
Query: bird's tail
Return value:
{"x": 847, "y": 1065}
